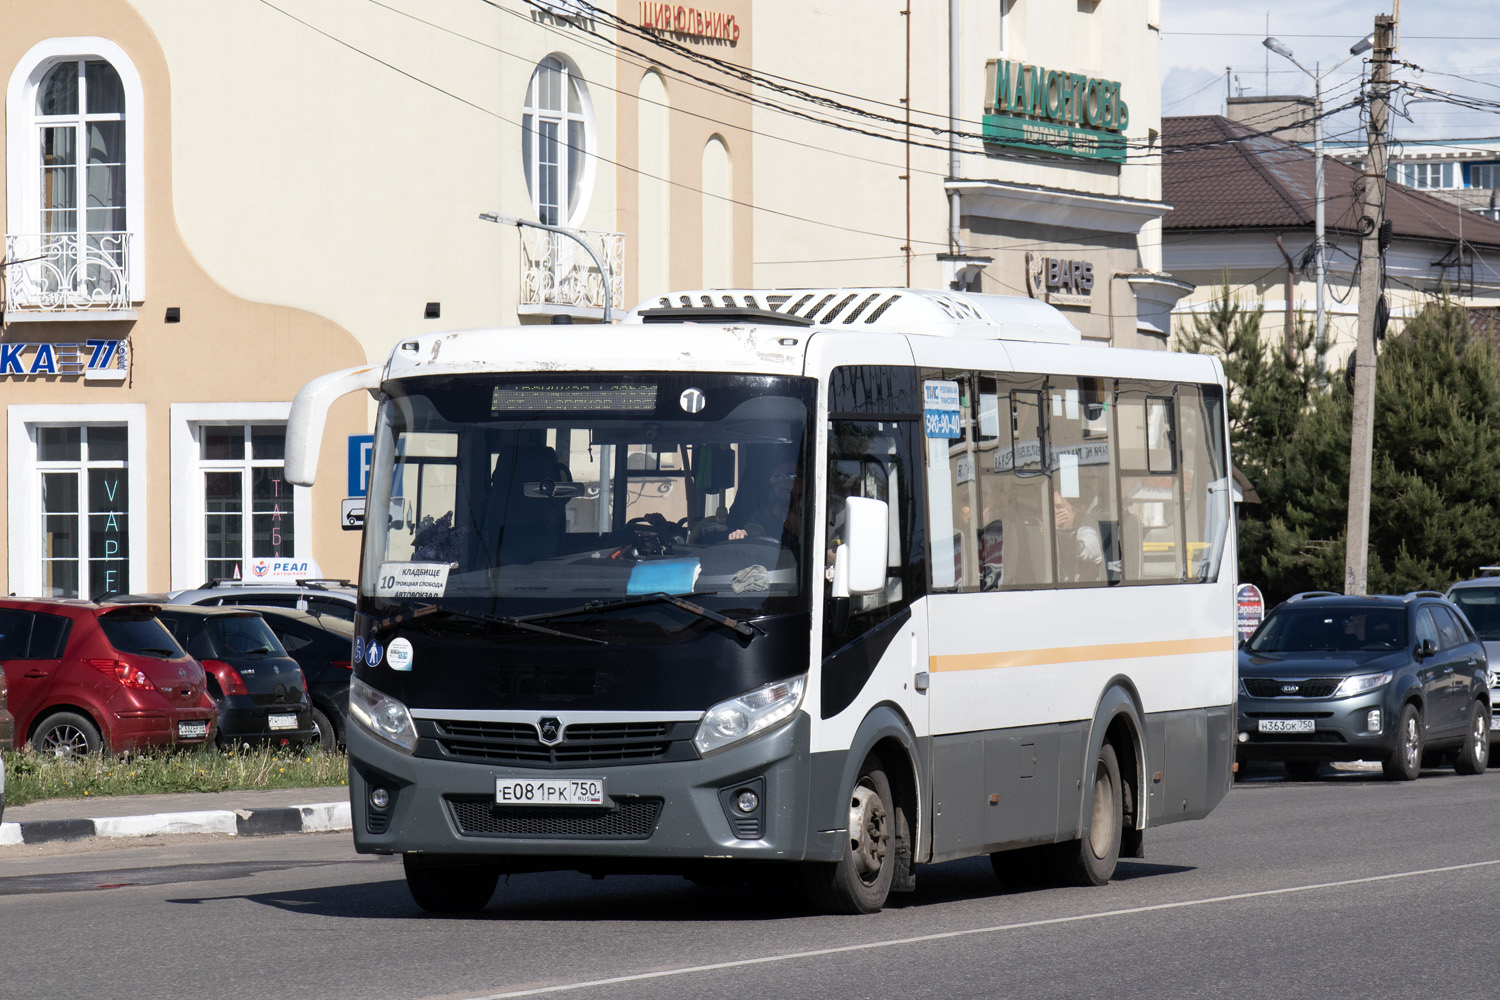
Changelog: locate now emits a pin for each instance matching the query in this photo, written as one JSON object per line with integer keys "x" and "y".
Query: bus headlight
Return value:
{"x": 754, "y": 712}
{"x": 382, "y": 715}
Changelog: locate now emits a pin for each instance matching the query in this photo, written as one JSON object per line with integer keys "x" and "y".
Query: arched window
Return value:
{"x": 556, "y": 139}
{"x": 80, "y": 119}
{"x": 74, "y": 179}
{"x": 718, "y": 216}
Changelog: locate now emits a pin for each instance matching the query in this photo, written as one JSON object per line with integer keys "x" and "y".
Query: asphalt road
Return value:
{"x": 1346, "y": 887}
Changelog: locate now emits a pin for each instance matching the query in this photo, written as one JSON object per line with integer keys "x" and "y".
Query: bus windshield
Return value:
{"x": 532, "y": 492}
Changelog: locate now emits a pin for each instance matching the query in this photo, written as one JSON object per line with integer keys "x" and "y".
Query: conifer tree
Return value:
{"x": 1435, "y": 478}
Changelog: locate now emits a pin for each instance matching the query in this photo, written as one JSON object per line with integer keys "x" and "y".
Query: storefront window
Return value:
{"x": 248, "y": 504}
{"x": 85, "y": 505}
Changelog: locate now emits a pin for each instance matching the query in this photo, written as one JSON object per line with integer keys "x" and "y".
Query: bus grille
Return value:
{"x": 582, "y": 743}
{"x": 1269, "y": 687}
{"x": 630, "y": 819}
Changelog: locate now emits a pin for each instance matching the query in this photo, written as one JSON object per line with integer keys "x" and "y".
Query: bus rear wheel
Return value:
{"x": 861, "y": 880}
{"x": 1091, "y": 860}
{"x": 446, "y": 885}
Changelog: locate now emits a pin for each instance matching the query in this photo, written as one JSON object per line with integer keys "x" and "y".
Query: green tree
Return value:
{"x": 1435, "y": 476}
{"x": 1272, "y": 388}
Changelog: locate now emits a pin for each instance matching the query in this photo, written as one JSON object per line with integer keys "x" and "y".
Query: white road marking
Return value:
{"x": 995, "y": 929}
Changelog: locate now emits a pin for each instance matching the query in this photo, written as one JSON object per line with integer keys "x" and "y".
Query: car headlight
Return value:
{"x": 754, "y": 712}
{"x": 382, "y": 716}
{"x": 1360, "y": 683}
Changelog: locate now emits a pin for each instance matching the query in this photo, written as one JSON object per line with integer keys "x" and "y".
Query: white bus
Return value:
{"x": 826, "y": 583}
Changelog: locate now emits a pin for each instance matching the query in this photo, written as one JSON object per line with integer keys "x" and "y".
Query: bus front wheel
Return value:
{"x": 861, "y": 880}
{"x": 1091, "y": 860}
{"x": 445, "y": 885}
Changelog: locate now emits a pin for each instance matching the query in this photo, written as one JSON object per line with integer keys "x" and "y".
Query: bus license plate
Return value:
{"x": 549, "y": 791}
{"x": 1286, "y": 725}
{"x": 282, "y": 721}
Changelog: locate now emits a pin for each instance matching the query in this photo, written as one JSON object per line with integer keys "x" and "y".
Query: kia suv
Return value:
{"x": 1399, "y": 680}
{"x": 259, "y": 689}
{"x": 85, "y": 677}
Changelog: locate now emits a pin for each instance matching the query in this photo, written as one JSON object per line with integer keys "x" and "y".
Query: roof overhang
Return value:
{"x": 1055, "y": 207}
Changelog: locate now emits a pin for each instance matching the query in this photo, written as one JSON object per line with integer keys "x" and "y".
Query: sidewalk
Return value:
{"x": 238, "y": 814}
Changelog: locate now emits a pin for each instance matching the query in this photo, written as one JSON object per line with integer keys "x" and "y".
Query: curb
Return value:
{"x": 323, "y": 817}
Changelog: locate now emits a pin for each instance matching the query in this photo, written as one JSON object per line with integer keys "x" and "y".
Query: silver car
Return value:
{"x": 1479, "y": 600}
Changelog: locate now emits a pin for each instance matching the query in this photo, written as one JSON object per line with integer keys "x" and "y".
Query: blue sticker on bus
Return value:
{"x": 359, "y": 649}
{"x": 373, "y": 653}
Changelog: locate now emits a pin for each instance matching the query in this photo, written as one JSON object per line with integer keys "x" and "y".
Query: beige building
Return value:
{"x": 207, "y": 205}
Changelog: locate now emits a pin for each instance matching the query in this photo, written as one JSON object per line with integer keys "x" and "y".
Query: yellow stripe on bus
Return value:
{"x": 1071, "y": 654}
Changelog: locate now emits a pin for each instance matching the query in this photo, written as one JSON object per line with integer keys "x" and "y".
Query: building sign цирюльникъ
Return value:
{"x": 685, "y": 20}
{"x": 1071, "y": 114}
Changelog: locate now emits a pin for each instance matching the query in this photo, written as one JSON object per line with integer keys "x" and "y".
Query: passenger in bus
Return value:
{"x": 777, "y": 510}
{"x": 1080, "y": 553}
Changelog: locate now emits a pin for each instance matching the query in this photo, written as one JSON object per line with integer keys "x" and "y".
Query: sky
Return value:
{"x": 1455, "y": 45}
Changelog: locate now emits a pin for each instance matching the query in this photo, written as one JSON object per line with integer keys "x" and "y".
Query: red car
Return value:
{"x": 86, "y": 677}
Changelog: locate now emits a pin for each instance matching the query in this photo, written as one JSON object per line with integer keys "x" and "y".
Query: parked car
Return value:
{"x": 323, "y": 646}
{"x": 259, "y": 689}
{"x": 7, "y": 738}
{"x": 1479, "y": 600}
{"x": 84, "y": 677}
{"x": 1402, "y": 680}
{"x": 321, "y": 597}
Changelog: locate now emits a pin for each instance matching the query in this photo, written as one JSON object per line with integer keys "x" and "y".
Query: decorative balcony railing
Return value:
{"x": 67, "y": 272}
{"x": 557, "y": 272}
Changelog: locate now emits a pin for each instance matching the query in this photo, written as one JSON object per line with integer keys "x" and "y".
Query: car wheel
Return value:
{"x": 1091, "y": 860}
{"x": 441, "y": 885}
{"x": 67, "y": 734}
{"x": 327, "y": 738}
{"x": 861, "y": 880}
{"x": 1405, "y": 762}
{"x": 1302, "y": 770}
{"x": 1474, "y": 756}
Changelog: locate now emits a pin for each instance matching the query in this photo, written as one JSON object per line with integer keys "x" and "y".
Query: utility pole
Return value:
{"x": 1356, "y": 553}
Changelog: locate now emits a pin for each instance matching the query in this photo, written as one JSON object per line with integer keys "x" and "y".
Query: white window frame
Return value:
{"x": 188, "y": 533}
{"x": 25, "y": 486}
{"x": 23, "y": 170}
{"x": 568, "y": 216}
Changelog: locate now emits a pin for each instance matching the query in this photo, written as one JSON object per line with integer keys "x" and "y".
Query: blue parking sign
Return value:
{"x": 359, "y": 463}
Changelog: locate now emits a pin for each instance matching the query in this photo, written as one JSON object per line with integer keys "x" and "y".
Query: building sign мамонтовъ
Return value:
{"x": 1071, "y": 114}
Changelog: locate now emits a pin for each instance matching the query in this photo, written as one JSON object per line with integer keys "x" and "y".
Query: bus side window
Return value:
{"x": 1205, "y": 481}
{"x": 869, "y": 458}
{"x": 1150, "y": 486}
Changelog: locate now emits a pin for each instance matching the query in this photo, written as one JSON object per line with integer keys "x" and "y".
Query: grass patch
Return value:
{"x": 32, "y": 776}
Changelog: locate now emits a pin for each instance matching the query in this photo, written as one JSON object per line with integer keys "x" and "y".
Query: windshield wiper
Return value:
{"x": 746, "y": 629}
{"x": 425, "y": 610}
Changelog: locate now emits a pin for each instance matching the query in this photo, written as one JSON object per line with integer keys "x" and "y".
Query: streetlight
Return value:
{"x": 609, "y": 277}
{"x": 1275, "y": 45}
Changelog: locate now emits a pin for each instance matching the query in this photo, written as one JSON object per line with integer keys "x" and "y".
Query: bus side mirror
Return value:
{"x": 859, "y": 564}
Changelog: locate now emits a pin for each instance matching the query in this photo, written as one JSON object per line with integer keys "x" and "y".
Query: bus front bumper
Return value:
{"x": 657, "y": 817}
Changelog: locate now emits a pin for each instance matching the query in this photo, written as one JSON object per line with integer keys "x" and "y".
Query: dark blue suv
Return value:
{"x": 1402, "y": 680}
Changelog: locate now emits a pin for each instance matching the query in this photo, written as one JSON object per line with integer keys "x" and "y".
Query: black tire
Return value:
{"x": 861, "y": 880}
{"x": 67, "y": 734}
{"x": 1302, "y": 770}
{"x": 1091, "y": 860}
{"x": 445, "y": 885}
{"x": 1405, "y": 761}
{"x": 327, "y": 738}
{"x": 1474, "y": 756}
